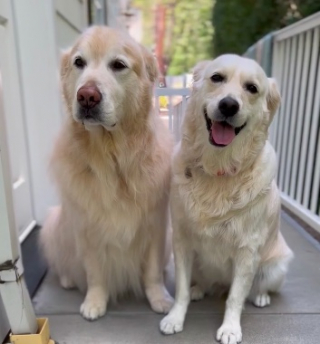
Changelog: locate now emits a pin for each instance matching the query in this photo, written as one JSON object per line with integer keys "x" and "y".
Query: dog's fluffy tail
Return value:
{"x": 58, "y": 247}
{"x": 49, "y": 238}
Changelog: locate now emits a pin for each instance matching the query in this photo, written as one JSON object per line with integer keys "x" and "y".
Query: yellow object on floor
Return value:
{"x": 42, "y": 337}
{"x": 163, "y": 102}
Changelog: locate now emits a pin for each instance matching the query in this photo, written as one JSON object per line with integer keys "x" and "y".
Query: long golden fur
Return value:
{"x": 113, "y": 175}
{"x": 225, "y": 204}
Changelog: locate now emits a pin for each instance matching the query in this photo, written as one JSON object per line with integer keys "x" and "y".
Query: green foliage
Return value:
{"x": 191, "y": 37}
{"x": 240, "y": 23}
{"x": 189, "y": 31}
{"x": 147, "y": 9}
{"x": 301, "y": 9}
{"x": 237, "y": 25}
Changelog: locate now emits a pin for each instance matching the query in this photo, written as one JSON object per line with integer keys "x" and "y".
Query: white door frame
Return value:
{"x": 14, "y": 124}
{"x": 39, "y": 71}
{"x": 14, "y": 295}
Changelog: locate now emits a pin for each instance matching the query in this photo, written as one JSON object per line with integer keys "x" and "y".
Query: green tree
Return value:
{"x": 191, "y": 38}
{"x": 189, "y": 31}
{"x": 240, "y": 23}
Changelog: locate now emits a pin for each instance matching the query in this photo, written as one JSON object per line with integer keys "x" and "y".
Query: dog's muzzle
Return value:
{"x": 221, "y": 133}
{"x": 89, "y": 98}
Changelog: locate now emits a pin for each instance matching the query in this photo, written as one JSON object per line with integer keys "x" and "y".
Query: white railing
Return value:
{"x": 170, "y": 101}
{"x": 295, "y": 132}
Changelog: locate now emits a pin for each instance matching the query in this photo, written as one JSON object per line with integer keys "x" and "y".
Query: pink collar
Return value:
{"x": 224, "y": 173}
{"x": 221, "y": 173}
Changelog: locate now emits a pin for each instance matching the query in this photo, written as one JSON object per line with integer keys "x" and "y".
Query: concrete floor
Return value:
{"x": 293, "y": 317}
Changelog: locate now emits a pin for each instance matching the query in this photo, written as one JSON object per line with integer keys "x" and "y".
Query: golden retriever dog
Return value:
{"x": 225, "y": 203}
{"x": 112, "y": 166}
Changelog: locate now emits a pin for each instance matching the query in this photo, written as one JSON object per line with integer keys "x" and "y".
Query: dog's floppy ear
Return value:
{"x": 64, "y": 62}
{"x": 151, "y": 64}
{"x": 198, "y": 70}
{"x": 273, "y": 97}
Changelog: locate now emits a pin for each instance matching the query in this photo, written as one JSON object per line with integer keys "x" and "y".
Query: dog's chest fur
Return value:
{"x": 215, "y": 200}
{"x": 226, "y": 212}
{"x": 210, "y": 200}
{"x": 223, "y": 217}
{"x": 114, "y": 187}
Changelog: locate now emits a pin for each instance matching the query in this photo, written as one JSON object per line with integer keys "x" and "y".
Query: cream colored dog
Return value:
{"x": 225, "y": 203}
{"x": 112, "y": 167}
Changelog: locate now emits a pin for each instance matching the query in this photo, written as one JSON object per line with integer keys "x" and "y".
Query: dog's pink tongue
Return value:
{"x": 222, "y": 133}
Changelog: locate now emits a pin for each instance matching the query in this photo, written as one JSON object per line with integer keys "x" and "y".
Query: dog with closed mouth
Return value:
{"x": 225, "y": 203}
{"x": 111, "y": 164}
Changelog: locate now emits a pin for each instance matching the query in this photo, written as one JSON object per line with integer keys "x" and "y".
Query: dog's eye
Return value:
{"x": 79, "y": 62}
{"x": 217, "y": 78}
{"x": 252, "y": 88}
{"x": 118, "y": 65}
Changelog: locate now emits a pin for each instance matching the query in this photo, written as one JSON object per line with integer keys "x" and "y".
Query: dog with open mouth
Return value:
{"x": 225, "y": 204}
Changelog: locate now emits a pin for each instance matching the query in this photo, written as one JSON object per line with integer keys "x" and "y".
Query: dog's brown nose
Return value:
{"x": 89, "y": 96}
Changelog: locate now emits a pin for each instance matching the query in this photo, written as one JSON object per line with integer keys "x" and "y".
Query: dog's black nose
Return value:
{"x": 228, "y": 106}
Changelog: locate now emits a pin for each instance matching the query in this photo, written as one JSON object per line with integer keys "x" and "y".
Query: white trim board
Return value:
{"x": 303, "y": 213}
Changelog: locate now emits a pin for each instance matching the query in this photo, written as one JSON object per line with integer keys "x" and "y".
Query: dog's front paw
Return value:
{"x": 196, "y": 293}
{"x": 262, "y": 300}
{"x": 93, "y": 309}
{"x": 229, "y": 334}
{"x": 171, "y": 324}
{"x": 162, "y": 305}
{"x": 159, "y": 298}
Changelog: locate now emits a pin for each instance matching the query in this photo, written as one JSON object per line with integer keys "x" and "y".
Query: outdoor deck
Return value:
{"x": 293, "y": 317}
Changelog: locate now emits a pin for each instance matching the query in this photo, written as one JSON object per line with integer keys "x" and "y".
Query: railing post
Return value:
{"x": 13, "y": 291}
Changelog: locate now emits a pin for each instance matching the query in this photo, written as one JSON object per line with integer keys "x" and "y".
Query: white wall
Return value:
{"x": 114, "y": 9}
{"x": 12, "y": 120}
{"x": 38, "y": 60}
{"x": 44, "y": 27}
{"x": 71, "y": 18}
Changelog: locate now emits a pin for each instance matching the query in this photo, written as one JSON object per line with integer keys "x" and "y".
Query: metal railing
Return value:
{"x": 175, "y": 97}
{"x": 295, "y": 133}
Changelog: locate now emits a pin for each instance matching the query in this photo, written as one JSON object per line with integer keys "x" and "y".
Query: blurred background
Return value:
{"x": 182, "y": 32}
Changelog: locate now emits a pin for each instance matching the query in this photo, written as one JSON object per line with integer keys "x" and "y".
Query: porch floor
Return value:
{"x": 293, "y": 317}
